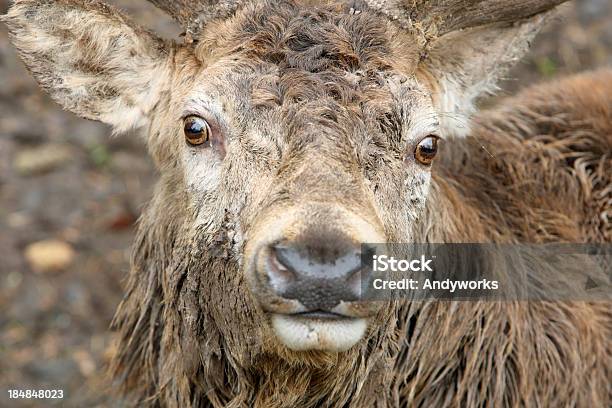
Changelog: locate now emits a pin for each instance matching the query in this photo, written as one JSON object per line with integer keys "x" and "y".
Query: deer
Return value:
{"x": 286, "y": 133}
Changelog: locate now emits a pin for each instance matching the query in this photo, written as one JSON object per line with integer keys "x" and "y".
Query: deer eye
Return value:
{"x": 426, "y": 150}
{"x": 197, "y": 130}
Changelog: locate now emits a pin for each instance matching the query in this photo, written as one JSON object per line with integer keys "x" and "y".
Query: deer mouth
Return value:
{"x": 321, "y": 315}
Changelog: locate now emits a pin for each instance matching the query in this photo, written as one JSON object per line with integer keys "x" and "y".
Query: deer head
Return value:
{"x": 286, "y": 134}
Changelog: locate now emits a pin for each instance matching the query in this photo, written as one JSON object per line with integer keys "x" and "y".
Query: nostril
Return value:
{"x": 284, "y": 255}
{"x": 280, "y": 272}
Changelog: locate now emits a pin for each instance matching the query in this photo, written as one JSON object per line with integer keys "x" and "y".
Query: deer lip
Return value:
{"x": 321, "y": 315}
{"x": 307, "y": 333}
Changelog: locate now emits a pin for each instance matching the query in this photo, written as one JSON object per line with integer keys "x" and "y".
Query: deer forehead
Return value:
{"x": 297, "y": 50}
{"x": 287, "y": 65}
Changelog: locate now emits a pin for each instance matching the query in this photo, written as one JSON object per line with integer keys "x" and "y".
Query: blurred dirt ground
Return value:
{"x": 69, "y": 195}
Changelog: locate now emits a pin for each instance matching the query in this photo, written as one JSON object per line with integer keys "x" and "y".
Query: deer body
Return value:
{"x": 294, "y": 130}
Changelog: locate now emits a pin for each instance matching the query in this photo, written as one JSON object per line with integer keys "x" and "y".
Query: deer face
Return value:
{"x": 305, "y": 135}
{"x": 289, "y": 134}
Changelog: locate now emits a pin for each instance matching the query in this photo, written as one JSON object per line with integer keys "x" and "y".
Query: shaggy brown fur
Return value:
{"x": 316, "y": 104}
{"x": 534, "y": 169}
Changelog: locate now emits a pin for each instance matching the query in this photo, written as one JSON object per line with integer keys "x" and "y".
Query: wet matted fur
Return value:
{"x": 317, "y": 102}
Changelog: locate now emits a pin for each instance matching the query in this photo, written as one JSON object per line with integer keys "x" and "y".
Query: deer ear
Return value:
{"x": 90, "y": 58}
{"x": 464, "y": 65}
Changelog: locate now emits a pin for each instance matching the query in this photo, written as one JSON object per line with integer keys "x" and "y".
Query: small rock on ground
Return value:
{"x": 42, "y": 159}
{"x": 49, "y": 256}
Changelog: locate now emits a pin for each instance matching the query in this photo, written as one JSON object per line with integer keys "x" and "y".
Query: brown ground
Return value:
{"x": 64, "y": 179}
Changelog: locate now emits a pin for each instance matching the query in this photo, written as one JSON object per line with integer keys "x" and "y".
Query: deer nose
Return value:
{"x": 319, "y": 276}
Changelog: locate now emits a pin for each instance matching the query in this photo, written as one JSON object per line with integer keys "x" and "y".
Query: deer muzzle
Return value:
{"x": 304, "y": 268}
